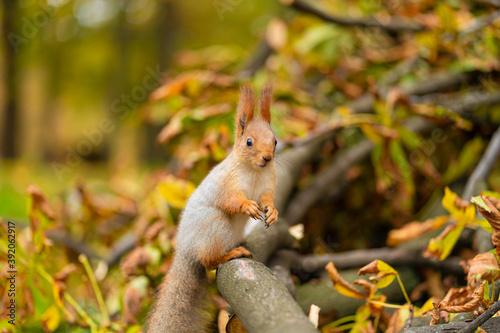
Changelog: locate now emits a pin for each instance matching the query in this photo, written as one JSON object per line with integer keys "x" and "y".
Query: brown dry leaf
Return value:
{"x": 350, "y": 89}
{"x": 93, "y": 204}
{"x": 131, "y": 304}
{"x": 176, "y": 85}
{"x": 403, "y": 51}
{"x": 397, "y": 322}
{"x": 153, "y": 230}
{"x": 235, "y": 326}
{"x": 370, "y": 288}
{"x": 484, "y": 266}
{"x": 138, "y": 258}
{"x": 394, "y": 96}
{"x": 40, "y": 201}
{"x": 371, "y": 268}
{"x": 172, "y": 129}
{"x": 341, "y": 285}
{"x": 414, "y": 230}
{"x": 352, "y": 64}
{"x": 493, "y": 217}
{"x": 430, "y": 20}
{"x": 385, "y": 273}
{"x": 60, "y": 285}
{"x": 458, "y": 300}
{"x": 205, "y": 112}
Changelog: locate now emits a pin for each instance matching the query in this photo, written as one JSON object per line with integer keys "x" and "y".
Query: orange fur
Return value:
{"x": 212, "y": 262}
{"x": 265, "y": 99}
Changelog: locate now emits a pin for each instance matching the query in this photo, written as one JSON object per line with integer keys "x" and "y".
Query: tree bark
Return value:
{"x": 259, "y": 300}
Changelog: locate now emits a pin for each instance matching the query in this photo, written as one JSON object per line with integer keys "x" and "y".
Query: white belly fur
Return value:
{"x": 253, "y": 183}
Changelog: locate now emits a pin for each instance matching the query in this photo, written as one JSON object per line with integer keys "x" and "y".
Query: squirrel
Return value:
{"x": 213, "y": 220}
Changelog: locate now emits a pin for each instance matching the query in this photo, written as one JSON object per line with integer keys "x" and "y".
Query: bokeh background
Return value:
{"x": 65, "y": 63}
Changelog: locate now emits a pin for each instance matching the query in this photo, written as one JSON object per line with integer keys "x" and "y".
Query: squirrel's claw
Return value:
{"x": 251, "y": 208}
{"x": 271, "y": 215}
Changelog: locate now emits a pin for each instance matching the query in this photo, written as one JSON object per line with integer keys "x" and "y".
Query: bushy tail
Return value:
{"x": 180, "y": 300}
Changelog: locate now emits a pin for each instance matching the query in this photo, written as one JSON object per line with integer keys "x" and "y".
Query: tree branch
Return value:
{"x": 258, "y": 59}
{"x": 472, "y": 327}
{"x": 491, "y": 326}
{"x": 259, "y": 300}
{"x": 396, "y": 25}
{"x": 483, "y": 168}
{"x": 302, "y": 202}
{"x": 359, "y": 258}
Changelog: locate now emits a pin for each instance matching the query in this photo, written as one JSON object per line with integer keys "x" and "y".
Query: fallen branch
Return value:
{"x": 472, "y": 327}
{"x": 334, "y": 174}
{"x": 302, "y": 201}
{"x": 396, "y": 25}
{"x": 358, "y": 258}
{"x": 490, "y": 326}
{"x": 259, "y": 300}
{"x": 322, "y": 293}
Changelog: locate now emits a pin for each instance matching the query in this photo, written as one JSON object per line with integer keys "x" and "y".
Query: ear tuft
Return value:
{"x": 265, "y": 99}
{"x": 246, "y": 106}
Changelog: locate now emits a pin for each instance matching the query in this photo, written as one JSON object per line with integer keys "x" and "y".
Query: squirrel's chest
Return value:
{"x": 253, "y": 183}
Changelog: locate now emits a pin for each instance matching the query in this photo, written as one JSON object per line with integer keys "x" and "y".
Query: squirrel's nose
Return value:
{"x": 267, "y": 158}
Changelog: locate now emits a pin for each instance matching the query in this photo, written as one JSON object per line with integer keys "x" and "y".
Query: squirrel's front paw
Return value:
{"x": 271, "y": 215}
{"x": 251, "y": 208}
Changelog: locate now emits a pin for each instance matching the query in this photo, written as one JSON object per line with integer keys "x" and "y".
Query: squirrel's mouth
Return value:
{"x": 263, "y": 165}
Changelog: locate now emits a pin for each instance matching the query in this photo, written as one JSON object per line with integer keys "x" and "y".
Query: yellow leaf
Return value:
{"x": 371, "y": 134}
{"x": 176, "y": 191}
{"x": 385, "y": 268}
{"x": 428, "y": 306}
{"x": 442, "y": 245}
{"x": 480, "y": 202}
{"x": 51, "y": 319}
{"x": 415, "y": 229}
{"x": 458, "y": 208}
{"x": 341, "y": 285}
{"x": 386, "y": 275}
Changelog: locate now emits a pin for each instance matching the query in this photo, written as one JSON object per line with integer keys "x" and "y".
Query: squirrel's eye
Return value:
{"x": 275, "y": 142}
{"x": 249, "y": 142}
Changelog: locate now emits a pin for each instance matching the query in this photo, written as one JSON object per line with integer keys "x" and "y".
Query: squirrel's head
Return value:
{"x": 255, "y": 142}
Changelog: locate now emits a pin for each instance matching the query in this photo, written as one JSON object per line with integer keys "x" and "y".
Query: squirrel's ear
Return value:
{"x": 265, "y": 99}
{"x": 246, "y": 106}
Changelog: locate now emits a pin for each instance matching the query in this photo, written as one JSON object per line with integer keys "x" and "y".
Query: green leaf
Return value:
{"x": 480, "y": 202}
{"x": 469, "y": 155}
{"x": 410, "y": 139}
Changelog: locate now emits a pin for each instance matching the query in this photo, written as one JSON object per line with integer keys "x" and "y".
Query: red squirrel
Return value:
{"x": 213, "y": 220}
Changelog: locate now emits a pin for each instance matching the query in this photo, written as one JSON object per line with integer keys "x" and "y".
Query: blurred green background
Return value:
{"x": 67, "y": 65}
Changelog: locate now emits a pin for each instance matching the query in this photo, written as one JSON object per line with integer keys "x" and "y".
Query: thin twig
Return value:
{"x": 472, "y": 327}
{"x": 484, "y": 166}
{"x": 257, "y": 61}
{"x": 396, "y": 25}
{"x": 100, "y": 300}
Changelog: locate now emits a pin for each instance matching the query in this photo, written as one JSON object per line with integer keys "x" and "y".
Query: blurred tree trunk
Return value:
{"x": 8, "y": 132}
{"x": 166, "y": 25}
